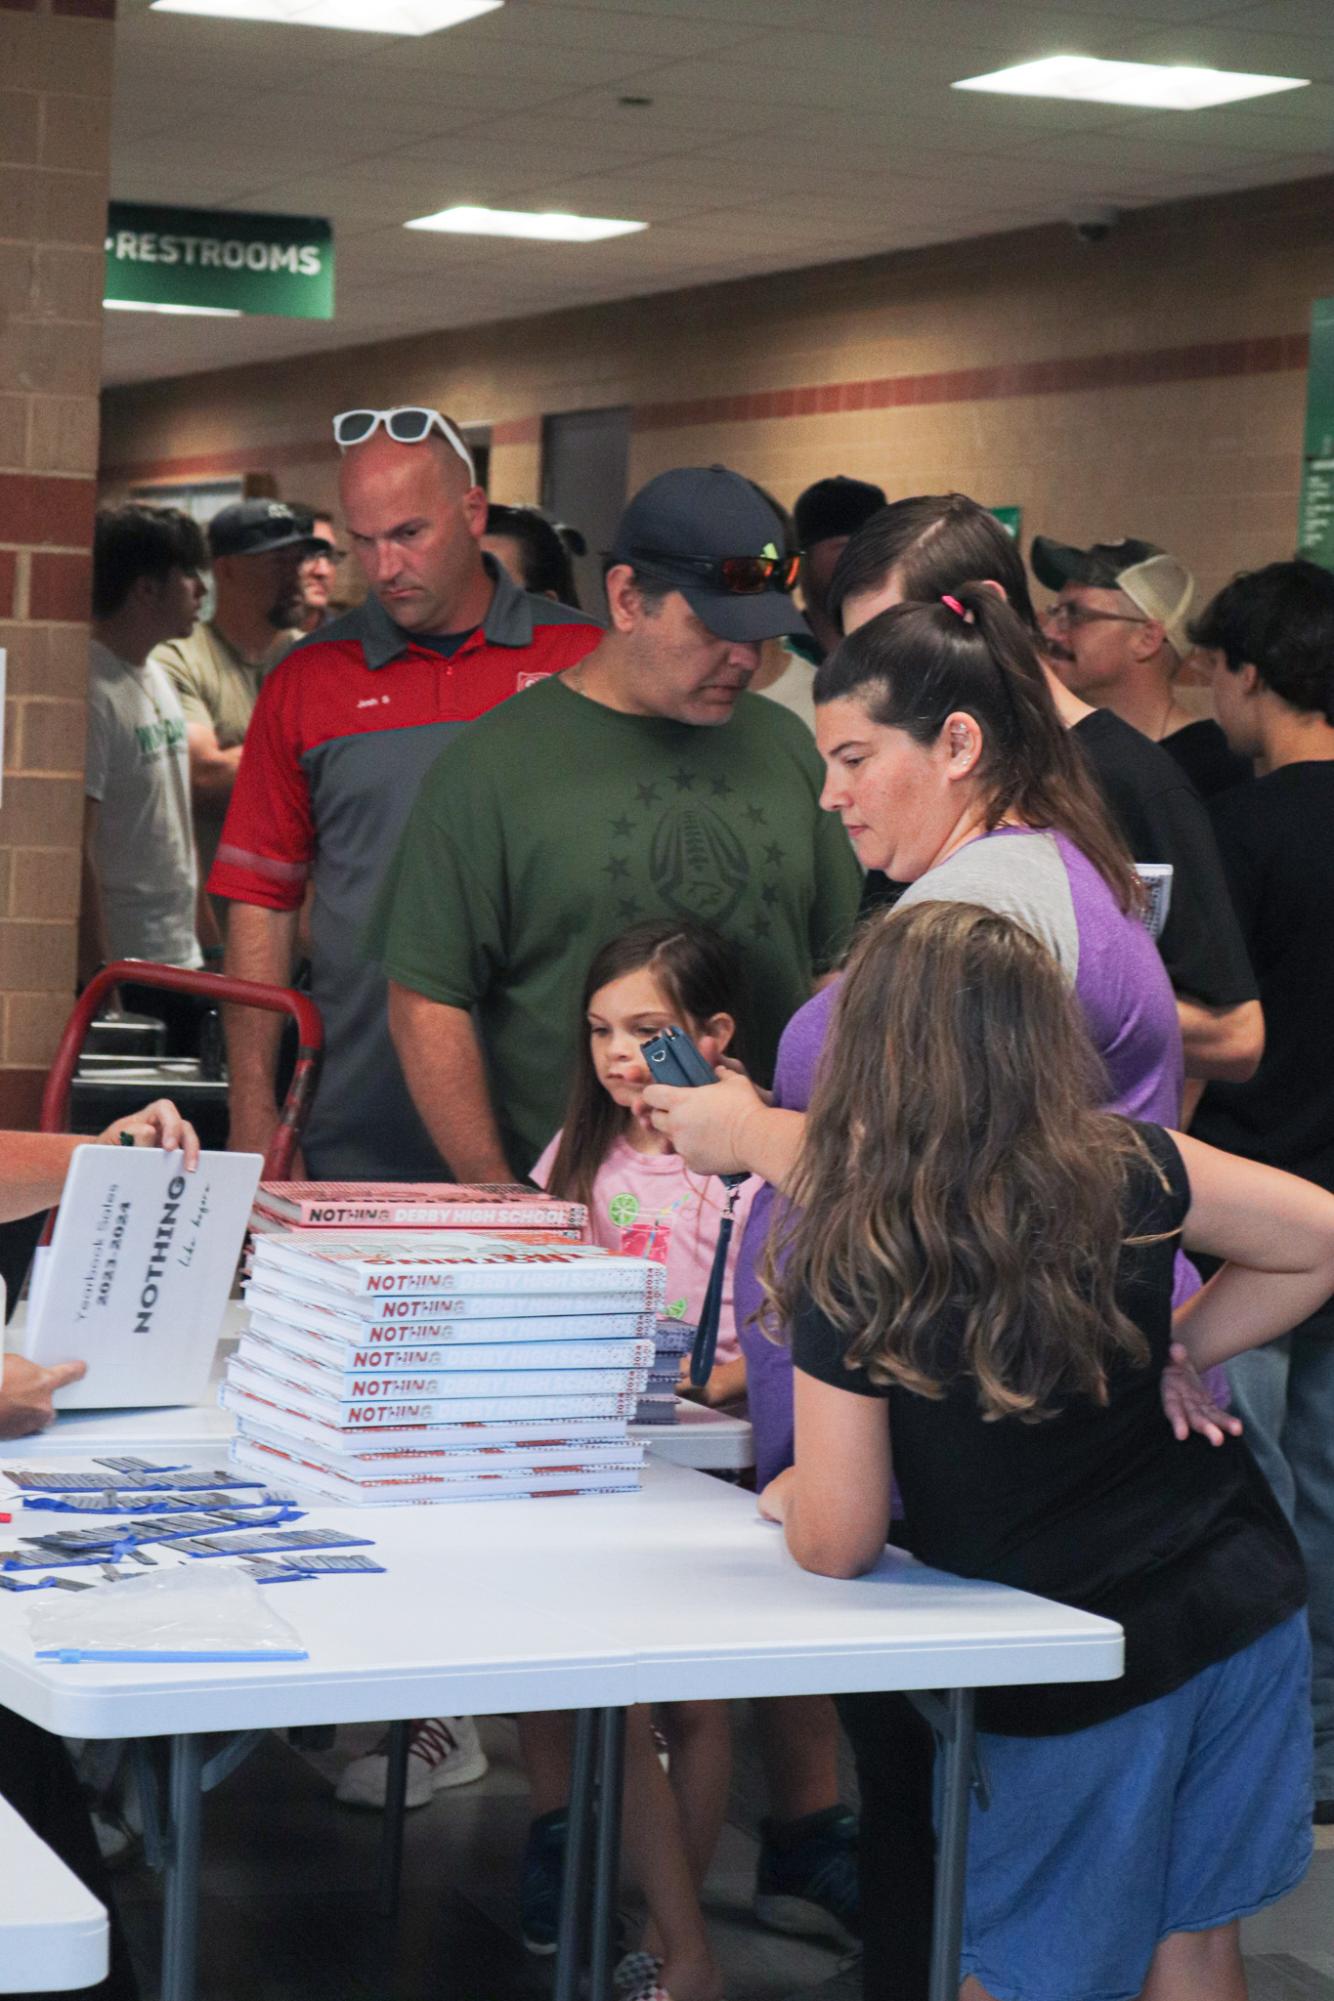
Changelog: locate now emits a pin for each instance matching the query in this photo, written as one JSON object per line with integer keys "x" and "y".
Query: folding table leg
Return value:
{"x": 956, "y": 1733}
{"x": 578, "y": 1844}
{"x": 180, "y": 1929}
{"x": 395, "y": 1809}
{"x": 607, "y": 1851}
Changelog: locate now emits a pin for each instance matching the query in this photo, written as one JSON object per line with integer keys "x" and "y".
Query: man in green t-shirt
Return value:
{"x": 643, "y": 782}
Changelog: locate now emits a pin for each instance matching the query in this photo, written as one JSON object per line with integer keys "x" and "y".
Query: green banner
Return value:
{"x": 220, "y": 258}
{"x": 1009, "y": 518}
{"x": 1315, "y": 533}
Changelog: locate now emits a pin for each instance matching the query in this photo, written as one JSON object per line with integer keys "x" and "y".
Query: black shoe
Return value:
{"x": 806, "y": 1883}
{"x": 540, "y": 1881}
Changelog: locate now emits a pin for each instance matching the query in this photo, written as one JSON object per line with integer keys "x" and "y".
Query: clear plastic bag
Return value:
{"x": 196, "y": 1612}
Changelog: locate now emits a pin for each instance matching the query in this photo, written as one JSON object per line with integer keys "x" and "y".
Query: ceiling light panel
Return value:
{"x": 543, "y": 228}
{"x": 367, "y": 17}
{"x": 1146, "y": 86}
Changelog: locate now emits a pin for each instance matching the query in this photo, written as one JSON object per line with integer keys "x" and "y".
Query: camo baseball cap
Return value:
{"x": 1156, "y": 583}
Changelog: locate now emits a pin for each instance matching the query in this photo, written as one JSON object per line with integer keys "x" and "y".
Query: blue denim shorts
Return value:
{"x": 1180, "y": 1815}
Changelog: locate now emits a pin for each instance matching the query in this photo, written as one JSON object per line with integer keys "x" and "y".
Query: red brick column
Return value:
{"x": 55, "y": 122}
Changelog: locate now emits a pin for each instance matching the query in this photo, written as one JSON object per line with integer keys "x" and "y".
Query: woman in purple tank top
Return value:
{"x": 950, "y": 769}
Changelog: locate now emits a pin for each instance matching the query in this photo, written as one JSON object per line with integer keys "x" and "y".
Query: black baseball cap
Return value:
{"x": 835, "y": 506}
{"x": 253, "y": 527}
{"x": 696, "y": 515}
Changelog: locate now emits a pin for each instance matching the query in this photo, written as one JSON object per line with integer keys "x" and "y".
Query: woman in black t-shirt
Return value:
{"x": 978, "y": 1272}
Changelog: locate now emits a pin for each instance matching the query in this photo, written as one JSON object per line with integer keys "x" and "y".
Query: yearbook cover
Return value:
{"x": 367, "y": 1264}
{"x": 137, "y": 1274}
{"x": 417, "y": 1205}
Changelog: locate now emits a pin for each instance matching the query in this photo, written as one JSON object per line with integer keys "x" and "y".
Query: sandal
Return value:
{"x": 639, "y": 1978}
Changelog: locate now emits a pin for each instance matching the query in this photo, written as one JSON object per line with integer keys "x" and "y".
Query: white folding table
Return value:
{"x": 679, "y": 1591}
{"x": 53, "y": 1931}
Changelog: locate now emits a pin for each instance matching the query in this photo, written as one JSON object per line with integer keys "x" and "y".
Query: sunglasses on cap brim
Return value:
{"x": 409, "y": 424}
{"x": 735, "y": 576}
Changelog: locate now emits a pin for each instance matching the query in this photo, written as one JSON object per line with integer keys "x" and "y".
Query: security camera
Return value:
{"x": 1094, "y": 225}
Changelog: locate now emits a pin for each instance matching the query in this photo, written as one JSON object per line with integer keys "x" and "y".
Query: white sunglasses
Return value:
{"x": 409, "y": 424}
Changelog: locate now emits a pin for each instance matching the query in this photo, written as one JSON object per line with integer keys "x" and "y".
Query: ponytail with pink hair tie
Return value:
{"x": 961, "y": 610}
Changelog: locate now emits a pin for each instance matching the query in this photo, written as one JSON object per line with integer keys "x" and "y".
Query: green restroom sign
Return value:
{"x": 1315, "y": 534}
{"x": 278, "y": 264}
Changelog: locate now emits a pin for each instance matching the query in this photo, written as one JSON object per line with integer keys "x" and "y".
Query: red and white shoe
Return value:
{"x": 444, "y": 1751}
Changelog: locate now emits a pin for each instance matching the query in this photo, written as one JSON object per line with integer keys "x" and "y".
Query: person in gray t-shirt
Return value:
{"x": 140, "y": 878}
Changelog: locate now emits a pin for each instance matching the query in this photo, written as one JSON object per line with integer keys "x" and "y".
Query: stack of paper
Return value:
{"x": 672, "y": 1342}
{"x": 412, "y": 1205}
{"x": 445, "y": 1365}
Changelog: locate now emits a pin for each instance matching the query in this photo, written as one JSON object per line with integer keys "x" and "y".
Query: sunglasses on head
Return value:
{"x": 738, "y": 576}
{"x": 409, "y": 424}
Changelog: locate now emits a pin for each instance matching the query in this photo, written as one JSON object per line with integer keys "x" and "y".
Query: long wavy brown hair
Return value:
{"x": 958, "y": 1205}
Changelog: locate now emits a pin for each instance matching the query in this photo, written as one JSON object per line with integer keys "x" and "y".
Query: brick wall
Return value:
{"x": 1153, "y": 384}
{"x": 55, "y": 119}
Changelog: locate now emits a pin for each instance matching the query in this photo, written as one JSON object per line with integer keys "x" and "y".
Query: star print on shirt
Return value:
{"x": 623, "y": 828}
{"x": 773, "y": 855}
{"x": 720, "y": 788}
{"x": 684, "y": 781}
{"x": 628, "y": 912}
{"x": 648, "y": 794}
{"x": 756, "y": 816}
{"x": 616, "y": 869}
{"x": 770, "y": 893}
{"x": 761, "y": 927}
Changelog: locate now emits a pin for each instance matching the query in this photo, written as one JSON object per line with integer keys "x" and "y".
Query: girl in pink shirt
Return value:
{"x": 642, "y": 1199}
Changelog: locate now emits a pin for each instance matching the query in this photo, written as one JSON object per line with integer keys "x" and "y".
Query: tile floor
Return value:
{"x": 289, "y": 1899}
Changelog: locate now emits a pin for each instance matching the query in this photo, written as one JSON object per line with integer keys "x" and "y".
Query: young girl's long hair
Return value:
{"x": 958, "y": 1201}
{"x": 912, "y": 666}
{"x": 699, "y": 974}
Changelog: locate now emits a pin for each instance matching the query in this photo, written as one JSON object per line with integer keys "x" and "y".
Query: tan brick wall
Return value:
{"x": 55, "y": 121}
{"x": 1152, "y": 384}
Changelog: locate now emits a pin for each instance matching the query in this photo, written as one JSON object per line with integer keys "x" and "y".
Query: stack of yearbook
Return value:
{"x": 672, "y": 1342}
{"x": 442, "y": 1365}
{"x": 412, "y": 1205}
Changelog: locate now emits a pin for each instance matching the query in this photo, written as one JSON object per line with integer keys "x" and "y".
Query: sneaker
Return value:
{"x": 540, "y": 1880}
{"x": 806, "y": 1883}
{"x": 444, "y": 1751}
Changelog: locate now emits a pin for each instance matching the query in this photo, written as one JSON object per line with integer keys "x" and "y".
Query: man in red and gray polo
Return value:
{"x": 342, "y": 734}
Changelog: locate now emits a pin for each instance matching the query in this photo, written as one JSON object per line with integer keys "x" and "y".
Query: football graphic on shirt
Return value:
{"x": 697, "y": 864}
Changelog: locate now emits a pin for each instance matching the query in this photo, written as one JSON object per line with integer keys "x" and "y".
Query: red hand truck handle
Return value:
{"x": 218, "y": 987}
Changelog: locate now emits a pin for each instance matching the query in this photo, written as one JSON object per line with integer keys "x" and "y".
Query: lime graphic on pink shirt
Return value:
{"x": 676, "y": 1311}
{"x": 623, "y": 1209}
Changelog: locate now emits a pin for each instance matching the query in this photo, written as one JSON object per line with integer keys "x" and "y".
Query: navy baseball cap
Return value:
{"x": 253, "y": 527}
{"x": 686, "y": 527}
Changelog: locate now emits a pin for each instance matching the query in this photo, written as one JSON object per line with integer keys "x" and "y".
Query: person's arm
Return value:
{"x": 92, "y": 924}
{"x": 261, "y": 945}
{"x": 207, "y": 929}
{"x": 261, "y": 868}
{"x": 834, "y": 1502}
{"x": 1222, "y": 1042}
{"x": 35, "y": 1164}
{"x": 212, "y": 769}
{"x": 1276, "y": 1232}
{"x": 728, "y": 1128}
{"x": 438, "y": 1049}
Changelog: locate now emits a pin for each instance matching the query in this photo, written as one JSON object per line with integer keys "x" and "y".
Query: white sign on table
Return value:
{"x": 136, "y": 1277}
